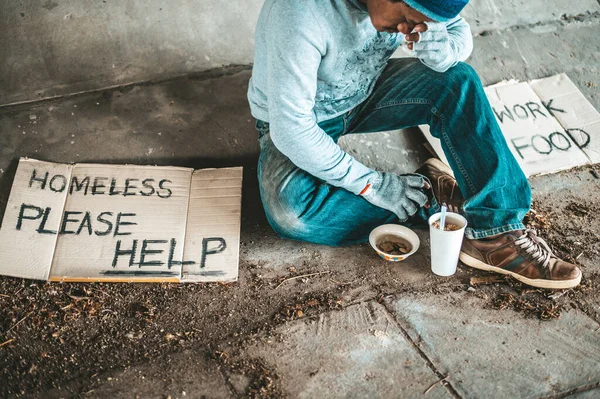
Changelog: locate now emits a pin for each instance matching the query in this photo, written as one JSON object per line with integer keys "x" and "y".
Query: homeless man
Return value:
{"x": 322, "y": 69}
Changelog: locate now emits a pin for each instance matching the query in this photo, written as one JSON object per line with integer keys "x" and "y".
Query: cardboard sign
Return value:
{"x": 214, "y": 207}
{"x": 573, "y": 111}
{"x": 27, "y": 251}
{"x": 548, "y": 124}
{"x": 92, "y": 222}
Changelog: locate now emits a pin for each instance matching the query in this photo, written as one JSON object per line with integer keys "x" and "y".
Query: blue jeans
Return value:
{"x": 299, "y": 206}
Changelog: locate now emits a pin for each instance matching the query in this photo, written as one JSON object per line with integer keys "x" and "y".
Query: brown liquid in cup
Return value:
{"x": 447, "y": 227}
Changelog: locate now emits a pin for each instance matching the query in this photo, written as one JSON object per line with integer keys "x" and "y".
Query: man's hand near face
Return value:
{"x": 435, "y": 44}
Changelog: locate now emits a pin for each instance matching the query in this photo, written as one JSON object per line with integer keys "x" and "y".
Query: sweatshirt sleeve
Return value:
{"x": 461, "y": 38}
{"x": 295, "y": 46}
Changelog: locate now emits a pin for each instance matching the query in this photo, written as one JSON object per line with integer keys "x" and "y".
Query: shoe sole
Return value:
{"x": 438, "y": 164}
{"x": 539, "y": 283}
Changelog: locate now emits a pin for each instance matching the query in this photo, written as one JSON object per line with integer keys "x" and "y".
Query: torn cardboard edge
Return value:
{"x": 548, "y": 124}
{"x": 122, "y": 223}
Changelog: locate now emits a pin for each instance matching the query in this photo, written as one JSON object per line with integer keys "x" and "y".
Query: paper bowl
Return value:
{"x": 387, "y": 231}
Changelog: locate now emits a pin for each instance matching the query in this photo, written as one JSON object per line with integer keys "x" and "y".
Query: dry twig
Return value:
{"x": 445, "y": 379}
{"x": 19, "y": 322}
{"x": 78, "y": 298}
{"x": 303, "y": 275}
{"x": 486, "y": 280}
{"x": 558, "y": 294}
{"x": 7, "y": 342}
{"x": 340, "y": 283}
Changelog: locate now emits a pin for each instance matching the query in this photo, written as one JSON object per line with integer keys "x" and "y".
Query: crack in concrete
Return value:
{"x": 448, "y": 385}
{"x": 227, "y": 382}
{"x": 201, "y": 75}
{"x": 583, "y": 310}
{"x": 571, "y": 392}
{"x": 565, "y": 20}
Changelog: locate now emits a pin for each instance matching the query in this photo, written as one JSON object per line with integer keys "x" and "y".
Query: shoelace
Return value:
{"x": 535, "y": 246}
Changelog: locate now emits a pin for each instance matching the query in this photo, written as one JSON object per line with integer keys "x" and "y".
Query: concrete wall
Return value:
{"x": 55, "y": 47}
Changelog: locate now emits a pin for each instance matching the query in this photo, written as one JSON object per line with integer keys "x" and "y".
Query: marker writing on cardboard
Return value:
{"x": 545, "y": 145}
{"x": 76, "y": 226}
{"x": 78, "y": 223}
{"x": 100, "y": 185}
{"x": 141, "y": 254}
{"x": 529, "y": 110}
{"x": 541, "y": 144}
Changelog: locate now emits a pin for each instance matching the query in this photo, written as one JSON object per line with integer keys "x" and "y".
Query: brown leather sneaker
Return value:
{"x": 445, "y": 188}
{"x": 524, "y": 256}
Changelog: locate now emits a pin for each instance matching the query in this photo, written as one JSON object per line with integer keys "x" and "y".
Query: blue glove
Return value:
{"x": 400, "y": 194}
{"x": 434, "y": 47}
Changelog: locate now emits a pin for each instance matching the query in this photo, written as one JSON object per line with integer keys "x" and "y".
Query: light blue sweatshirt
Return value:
{"x": 315, "y": 60}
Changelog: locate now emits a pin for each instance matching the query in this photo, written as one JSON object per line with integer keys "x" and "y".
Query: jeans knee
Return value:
{"x": 464, "y": 71}
{"x": 284, "y": 221}
{"x": 286, "y": 224}
{"x": 462, "y": 75}
{"x": 292, "y": 226}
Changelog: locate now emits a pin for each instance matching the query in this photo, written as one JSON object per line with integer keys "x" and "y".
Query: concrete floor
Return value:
{"x": 401, "y": 329}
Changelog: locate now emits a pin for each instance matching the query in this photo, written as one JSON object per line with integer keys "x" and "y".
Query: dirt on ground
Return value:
{"x": 68, "y": 335}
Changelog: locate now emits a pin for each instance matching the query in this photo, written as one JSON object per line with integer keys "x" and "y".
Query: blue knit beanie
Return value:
{"x": 438, "y": 10}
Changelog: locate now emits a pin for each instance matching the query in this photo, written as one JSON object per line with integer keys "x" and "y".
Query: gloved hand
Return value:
{"x": 434, "y": 47}
{"x": 401, "y": 194}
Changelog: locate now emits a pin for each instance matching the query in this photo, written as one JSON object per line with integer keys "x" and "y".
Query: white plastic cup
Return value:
{"x": 445, "y": 245}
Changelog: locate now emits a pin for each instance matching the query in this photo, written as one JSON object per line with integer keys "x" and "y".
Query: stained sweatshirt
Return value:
{"x": 315, "y": 60}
